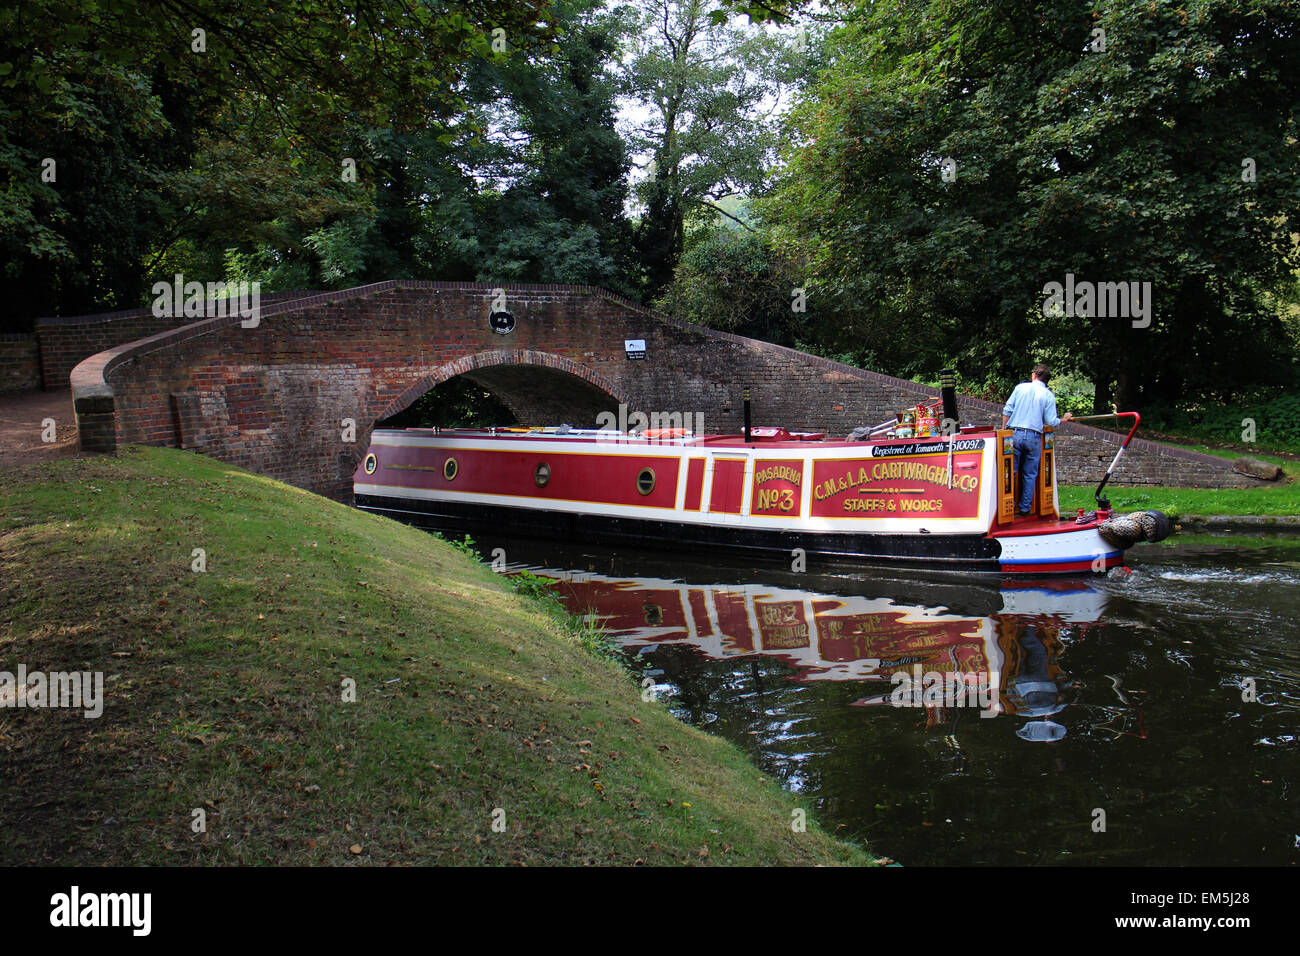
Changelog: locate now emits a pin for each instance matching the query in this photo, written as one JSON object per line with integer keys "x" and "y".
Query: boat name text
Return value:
{"x": 894, "y": 470}
{"x": 780, "y": 472}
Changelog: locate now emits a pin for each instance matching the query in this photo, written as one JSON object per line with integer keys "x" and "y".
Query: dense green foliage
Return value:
{"x": 137, "y": 140}
{"x": 527, "y": 186}
{"x": 730, "y": 279}
{"x": 1117, "y": 165}
{"x": 1273, "y": 421}
{"x": 892, "y": 185}
{"x": 704, "y": 91}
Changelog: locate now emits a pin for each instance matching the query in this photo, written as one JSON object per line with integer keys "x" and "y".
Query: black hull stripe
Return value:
{"x": 947, "y": 551}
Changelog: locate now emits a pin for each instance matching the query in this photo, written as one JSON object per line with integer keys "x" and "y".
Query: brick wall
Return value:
{"x": 273, "y": 399}
{"x": 20, "y": 368}
{"x": 66, "y": 341}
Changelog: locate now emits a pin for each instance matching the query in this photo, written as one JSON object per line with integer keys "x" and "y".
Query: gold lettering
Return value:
{"x": 912, "y": 504}
{"x": 779, "y": 473}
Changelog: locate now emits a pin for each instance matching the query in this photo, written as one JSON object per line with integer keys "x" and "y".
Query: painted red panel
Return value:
{"x": 694, "y": 484}
{"x": 1054, "y": 567}
{"x": 728, "y": 476}
{"x": 896, "y": 643}
{"x": 575, "y": 476}
{"x": 733, "y": 619}
{"x": 781, "y": 624}
{"x": 777, "y": 488}
{"x": 624, "y": 607}
{"x": 699, "y": 606}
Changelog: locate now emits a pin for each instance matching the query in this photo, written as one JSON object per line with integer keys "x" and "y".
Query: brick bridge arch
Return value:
{"x": 275, "y": 397}
{"x": 486, "y": 368}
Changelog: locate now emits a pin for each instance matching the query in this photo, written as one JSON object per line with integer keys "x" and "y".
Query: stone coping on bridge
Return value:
{"x": 92, "y": 389}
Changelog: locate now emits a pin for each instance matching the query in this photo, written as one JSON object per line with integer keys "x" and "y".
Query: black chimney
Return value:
{"x": 948, "y": 382}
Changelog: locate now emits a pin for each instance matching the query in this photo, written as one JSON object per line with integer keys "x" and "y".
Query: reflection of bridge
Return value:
{"x": 834, "y": 637}
{"x": 277, "y": 397}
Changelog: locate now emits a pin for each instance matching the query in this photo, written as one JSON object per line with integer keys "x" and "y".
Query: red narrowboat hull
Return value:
{"x": 926, "y": 502}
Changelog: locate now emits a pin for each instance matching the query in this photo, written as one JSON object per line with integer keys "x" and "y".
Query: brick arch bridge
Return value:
{"x": 275, "y": 398}
{"x": 535, "y": 386}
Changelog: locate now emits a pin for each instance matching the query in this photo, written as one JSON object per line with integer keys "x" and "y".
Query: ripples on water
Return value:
{"x": 1118, "y": 699}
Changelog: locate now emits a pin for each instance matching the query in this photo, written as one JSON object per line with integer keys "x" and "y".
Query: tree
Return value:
{"x": 526, "y": 183}
{"x": 959, "y": 156}
{"x": 705, "y": 93}
{"x": 556, "y": 208}
{"x": 129, "y": 103}
{"x": 730, "y": 279}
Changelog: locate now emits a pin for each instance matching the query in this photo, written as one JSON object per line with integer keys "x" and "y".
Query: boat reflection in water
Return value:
{"x": 1120, "y": 692}
{"x": 942, "y": 659}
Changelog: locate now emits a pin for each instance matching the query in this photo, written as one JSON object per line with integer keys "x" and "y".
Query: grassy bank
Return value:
{"x": 1282, "y": 498}
{"x": 224, "y": 694}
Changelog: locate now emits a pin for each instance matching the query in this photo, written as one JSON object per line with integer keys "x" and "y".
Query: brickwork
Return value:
{"x": 66, "y": 341}
{"x": 20, "y": 368}
{"x": 275, "y": 398}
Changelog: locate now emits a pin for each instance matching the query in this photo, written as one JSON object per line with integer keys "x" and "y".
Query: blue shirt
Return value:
{"x": 1031, "y": 405}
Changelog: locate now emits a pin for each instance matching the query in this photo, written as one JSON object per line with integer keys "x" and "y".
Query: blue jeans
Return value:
{"x": 1026, "y": 452}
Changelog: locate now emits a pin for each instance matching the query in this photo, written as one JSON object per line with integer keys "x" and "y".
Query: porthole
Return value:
{"x": 449, "y": 469}
{"x": 371, "y": 463}
{"x": 542, "y": 474}
{"x": 645, "y": 481}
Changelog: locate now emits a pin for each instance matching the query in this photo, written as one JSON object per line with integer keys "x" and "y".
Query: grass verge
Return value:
{"x": 1282, "y": 498}
{"x": 224, "y": 695}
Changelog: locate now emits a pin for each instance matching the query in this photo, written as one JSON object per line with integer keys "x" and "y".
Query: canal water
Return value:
{"x": 1148, "y": 718}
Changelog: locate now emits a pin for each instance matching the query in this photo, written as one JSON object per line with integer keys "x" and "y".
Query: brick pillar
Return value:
{"x": 96, "y": 423}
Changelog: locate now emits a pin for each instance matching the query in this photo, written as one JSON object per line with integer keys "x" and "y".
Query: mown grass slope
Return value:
{"x": 225, "y": 694}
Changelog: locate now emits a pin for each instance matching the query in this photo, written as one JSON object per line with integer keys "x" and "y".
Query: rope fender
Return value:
{"x": 1124, "y": 531}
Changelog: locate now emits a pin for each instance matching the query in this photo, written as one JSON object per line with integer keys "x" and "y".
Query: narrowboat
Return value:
{"x": 940, "y": 501}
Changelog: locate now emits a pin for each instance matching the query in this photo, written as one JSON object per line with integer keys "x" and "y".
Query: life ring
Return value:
{"x": 667, "y": 433}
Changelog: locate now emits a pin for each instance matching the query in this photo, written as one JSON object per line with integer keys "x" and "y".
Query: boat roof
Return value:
{"x": 766, "y": 436}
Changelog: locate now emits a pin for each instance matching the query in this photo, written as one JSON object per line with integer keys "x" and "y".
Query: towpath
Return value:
{"x": 22, "y": 415}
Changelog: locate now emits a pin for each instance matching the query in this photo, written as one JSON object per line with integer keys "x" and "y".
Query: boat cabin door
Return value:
{"x": 726, "y": 480}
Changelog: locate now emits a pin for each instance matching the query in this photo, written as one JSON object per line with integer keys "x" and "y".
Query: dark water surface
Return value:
{"x": 1120, "y": 697}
